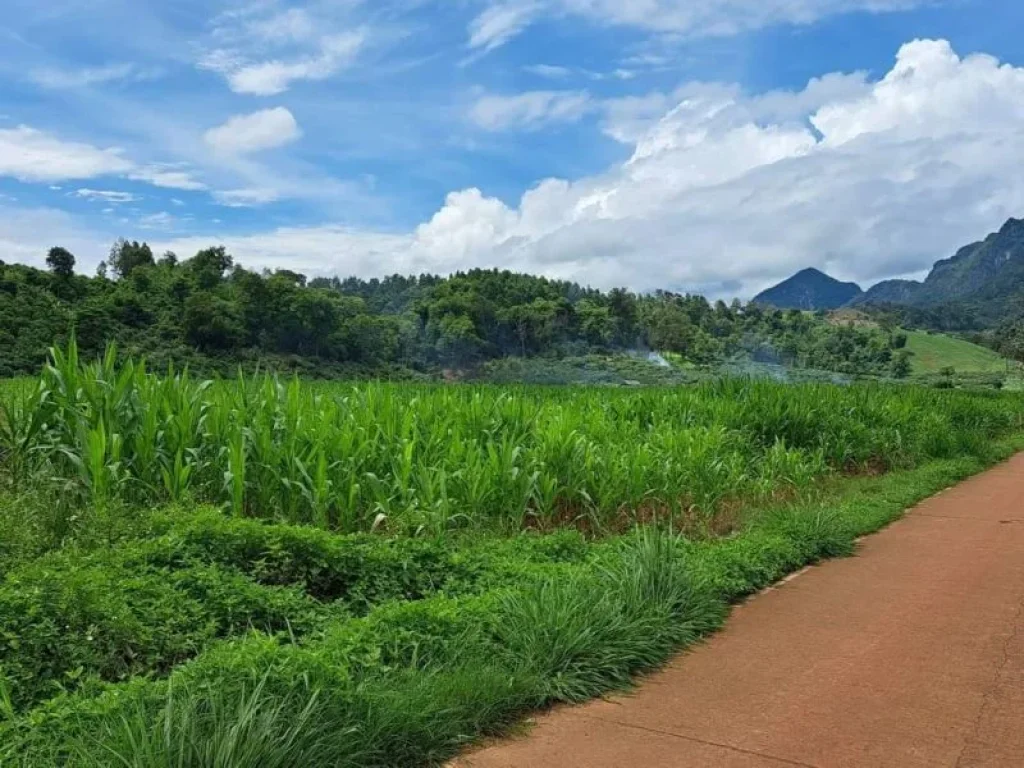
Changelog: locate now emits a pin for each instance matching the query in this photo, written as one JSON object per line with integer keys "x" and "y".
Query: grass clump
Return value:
{"x": 248, "y": 728}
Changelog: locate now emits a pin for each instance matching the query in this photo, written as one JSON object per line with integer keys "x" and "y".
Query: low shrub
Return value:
{"x": 66, "y": 621}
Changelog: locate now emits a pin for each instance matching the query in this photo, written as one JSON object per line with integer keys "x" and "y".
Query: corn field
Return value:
{"x": 411, "y": 458}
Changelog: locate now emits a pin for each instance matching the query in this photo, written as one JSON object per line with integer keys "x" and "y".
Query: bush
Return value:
{"x": 67, "y": 621}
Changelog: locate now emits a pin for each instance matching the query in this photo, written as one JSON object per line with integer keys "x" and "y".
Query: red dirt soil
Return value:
{"x": 910, "y": 654}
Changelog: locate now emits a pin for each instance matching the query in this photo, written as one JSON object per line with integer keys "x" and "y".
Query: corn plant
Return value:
{"x": 359, "y": 457}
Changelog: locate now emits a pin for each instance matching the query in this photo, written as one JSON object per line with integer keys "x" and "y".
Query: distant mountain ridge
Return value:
{"x": 990, "y": 269}
{"x": 985, "y": 277}
{"x": 809, "y": 289}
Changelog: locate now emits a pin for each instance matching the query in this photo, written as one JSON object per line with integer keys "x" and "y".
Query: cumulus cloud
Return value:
{"x": 504, "y": 19}
{"x": 530, "y": 110}
{"x": 28, "y": 154}
{"x": 31, "y": 155}
{"x": 315, "y": 251}
{"x": 725, "y": 192}
{"x": 266, "y": 129}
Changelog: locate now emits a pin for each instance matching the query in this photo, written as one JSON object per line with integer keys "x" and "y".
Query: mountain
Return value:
{"x": 889, "y": 292}
{"x": 989, "y": 272}
{"x": 809, "y": 289}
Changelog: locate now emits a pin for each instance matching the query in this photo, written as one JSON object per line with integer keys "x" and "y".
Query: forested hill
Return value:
{"x": 809, "y": 289}
{"x": 213, "y": 314}
{"x": 986, "y": 277}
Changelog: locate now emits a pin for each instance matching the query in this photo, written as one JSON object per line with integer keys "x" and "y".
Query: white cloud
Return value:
{"x": 79, "y": 78}
{"x": 245, "y": 198}
{"x": 714, "y": 17}
{"x": 314, "y": 251}
{"x": 272, "y": 77}
{"x": 504, "y": 19}
{"x": 161, "y": 220}
{"x": 500, "y": 22}
{"x": 106, "y": 195}
{"x": 930, "y": 91}
{"x": 294, "y": 24}
{"x": 530, "y": 110}
{"x": 549, "y": 71}
{"x": 88, "y": 76}
{"x": 266, "y": 129}
{"x": 31, "y": 155}
{"x": 167, "y": 177}
{"x": 726, "y": 192}
{"x": 27, "y": 234}
{"x": 265, "y": 54}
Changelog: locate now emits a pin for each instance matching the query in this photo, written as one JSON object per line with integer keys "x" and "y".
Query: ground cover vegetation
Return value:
{"x": 267, "y": 572}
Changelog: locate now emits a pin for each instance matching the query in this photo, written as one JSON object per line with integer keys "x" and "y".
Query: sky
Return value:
{"x": 712, "y": 146}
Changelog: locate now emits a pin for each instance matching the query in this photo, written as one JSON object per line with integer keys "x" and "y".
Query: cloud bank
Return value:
{"x": 725, "y": 192}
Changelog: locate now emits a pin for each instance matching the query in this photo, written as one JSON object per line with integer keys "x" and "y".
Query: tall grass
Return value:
{"x": 211, "y": 728}
{"x": 412, "y": 458}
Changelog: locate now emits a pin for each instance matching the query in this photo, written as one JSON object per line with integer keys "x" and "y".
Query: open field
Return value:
{"x": 265, "y": 573}
{"x": 935, "y": 351}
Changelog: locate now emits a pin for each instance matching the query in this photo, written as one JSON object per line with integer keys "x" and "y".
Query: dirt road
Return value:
{"x": 910, "y": 654}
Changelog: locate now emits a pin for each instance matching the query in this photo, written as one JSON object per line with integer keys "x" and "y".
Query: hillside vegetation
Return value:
{"x": 986, "y": 275}
{"x": 213, "y": 315}
{"x": 934, "y": 352}
{"x": 809, "y": 289}
{"x": 979, "y": 290}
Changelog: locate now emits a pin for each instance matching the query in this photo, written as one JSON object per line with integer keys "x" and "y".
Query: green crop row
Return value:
{"x": 419, "y": 459}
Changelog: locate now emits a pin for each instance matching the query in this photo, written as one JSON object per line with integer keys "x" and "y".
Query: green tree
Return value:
{"x": 457, "y": 342}
{"x": 61, "y": 262}
{"x": 209, "y": 266}
{"x": 211, "y": 323}
{"x": 596, "y": 322}
{"x": 125, "y": 257}
{"x": 669, "y": 328}
{"x": 901, "y": 366}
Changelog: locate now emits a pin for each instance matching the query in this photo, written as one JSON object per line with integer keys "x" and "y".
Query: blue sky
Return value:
{"x": 712, "y": 145}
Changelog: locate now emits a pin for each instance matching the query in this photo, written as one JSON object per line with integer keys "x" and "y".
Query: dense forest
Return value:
{"x": 215, "y": 315}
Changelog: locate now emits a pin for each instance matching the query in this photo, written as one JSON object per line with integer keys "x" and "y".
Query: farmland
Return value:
{"x": 267, "y": 572}
{"x": 936, "y": 351}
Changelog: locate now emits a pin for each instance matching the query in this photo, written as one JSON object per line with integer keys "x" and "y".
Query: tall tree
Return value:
{"x": 125, "y": 257}
{"x": 61, "y": 262}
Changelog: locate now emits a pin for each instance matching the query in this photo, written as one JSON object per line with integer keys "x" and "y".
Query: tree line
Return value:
{"x": 211, "y": 313}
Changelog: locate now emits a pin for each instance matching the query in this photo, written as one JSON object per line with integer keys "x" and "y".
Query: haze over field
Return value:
{"x": 709, "y": 147}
